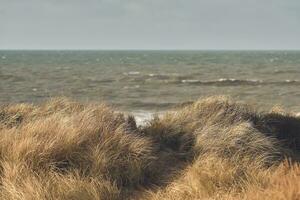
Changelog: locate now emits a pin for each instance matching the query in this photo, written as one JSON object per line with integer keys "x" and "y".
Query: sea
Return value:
{"x": 149, "y": 82}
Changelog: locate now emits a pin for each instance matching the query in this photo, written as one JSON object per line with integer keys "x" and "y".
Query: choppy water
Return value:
{"x": 151, "y": 80}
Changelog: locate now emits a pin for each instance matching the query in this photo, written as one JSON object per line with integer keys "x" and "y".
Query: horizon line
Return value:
{"x": 122, "y": 49}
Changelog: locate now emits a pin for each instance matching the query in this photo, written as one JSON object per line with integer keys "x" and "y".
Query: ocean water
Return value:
{"x": 151, "y": 81}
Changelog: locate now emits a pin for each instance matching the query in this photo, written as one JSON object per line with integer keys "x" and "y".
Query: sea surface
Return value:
{"x": 146, "y": 82}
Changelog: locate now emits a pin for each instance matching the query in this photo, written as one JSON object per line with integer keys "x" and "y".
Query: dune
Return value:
{"x": 214, "y": 148}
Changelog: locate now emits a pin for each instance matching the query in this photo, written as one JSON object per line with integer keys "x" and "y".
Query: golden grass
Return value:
{"x": 214, "y": 148}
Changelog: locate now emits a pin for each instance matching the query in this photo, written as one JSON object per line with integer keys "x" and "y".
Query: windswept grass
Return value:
{"x": 214, "y": 148}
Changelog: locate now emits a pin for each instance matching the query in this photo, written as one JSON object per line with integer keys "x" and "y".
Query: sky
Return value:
{"x": 150, "y": 24}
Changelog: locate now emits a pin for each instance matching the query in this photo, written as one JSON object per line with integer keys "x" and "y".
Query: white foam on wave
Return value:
{"x": 221, "y": 80}
{"x": 236, "y": 80}
{"x": 131, "y": 73}
{"x": 290, "y": 81}
{"x": 190, "y": 81}
{"x": 143, "y": 116}
{"x": 226, "y": 79}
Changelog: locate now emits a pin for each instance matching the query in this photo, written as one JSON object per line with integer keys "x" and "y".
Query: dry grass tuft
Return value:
{"x": 214, "y": 148}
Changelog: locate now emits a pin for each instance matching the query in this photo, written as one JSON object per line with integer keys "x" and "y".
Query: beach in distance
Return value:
{"x": 149, "y": 125}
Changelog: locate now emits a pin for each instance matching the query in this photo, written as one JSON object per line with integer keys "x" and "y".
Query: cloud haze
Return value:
{"x": 149, "y": 24}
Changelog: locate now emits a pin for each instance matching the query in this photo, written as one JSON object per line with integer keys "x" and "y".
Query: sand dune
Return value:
{"x": 214, "y": 148}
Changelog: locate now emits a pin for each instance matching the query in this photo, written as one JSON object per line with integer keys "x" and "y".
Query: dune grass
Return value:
{"x": 214, "y": 148}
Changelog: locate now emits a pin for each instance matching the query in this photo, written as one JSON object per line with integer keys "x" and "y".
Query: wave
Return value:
{"x": 239, "y": 82}
{"x": 131, "y": 73}
{"x": 100, "y": 80}
{"x": 156, "y": 76}
{"x": 291, "y": 71}
{"x": 10, "y": 77}
{"x": 159, "y": 76}
{"x": 224, "y": 82}
{"x": 175, "y": 78}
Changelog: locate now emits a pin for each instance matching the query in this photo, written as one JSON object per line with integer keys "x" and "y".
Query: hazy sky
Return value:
{"x": 149, "y": 24}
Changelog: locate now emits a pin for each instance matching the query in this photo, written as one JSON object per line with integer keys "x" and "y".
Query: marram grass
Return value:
{"x": 214, "y": 148}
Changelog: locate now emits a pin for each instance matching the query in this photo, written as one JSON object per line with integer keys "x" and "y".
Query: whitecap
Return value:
{"x": 143, "y": 116}
{"x": 190, "y": 81}
{"x": 291, "y": 81}
{"x": 226, "y": 79}
{"x": 255, "y": 80}
{"x": 237, "y": 80}
{"x": 131, "y": 73}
